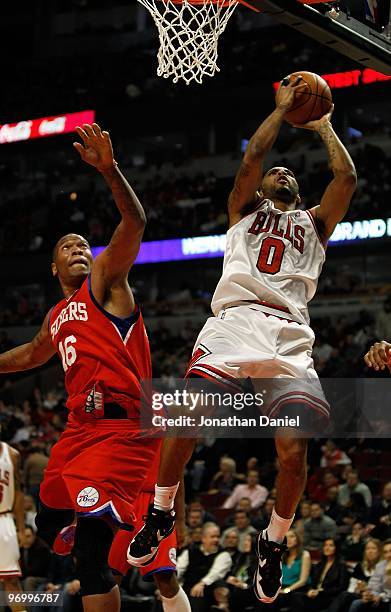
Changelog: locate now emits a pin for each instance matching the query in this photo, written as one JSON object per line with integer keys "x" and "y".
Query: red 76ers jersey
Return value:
{"x": 104, "y": 357}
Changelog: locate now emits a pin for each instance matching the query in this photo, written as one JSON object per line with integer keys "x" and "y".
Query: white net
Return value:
{"x": 189, "y": 36}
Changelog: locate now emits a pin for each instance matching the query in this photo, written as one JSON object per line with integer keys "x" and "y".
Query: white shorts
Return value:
{"x": 244, "y": 342}
{"x": 9, "y": 547}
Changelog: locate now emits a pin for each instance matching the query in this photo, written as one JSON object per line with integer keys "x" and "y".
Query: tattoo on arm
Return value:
{"x": 125, "y": 198}
{"x": 329, "y": 140}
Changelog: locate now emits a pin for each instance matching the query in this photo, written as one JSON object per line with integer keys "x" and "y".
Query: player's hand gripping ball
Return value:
{"x": 312, "y": 98}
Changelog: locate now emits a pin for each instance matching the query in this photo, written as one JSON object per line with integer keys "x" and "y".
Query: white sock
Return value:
{"x": 278, "y": 527}
{"x": 164, "y": 497}
{"x": 179, "y": 603}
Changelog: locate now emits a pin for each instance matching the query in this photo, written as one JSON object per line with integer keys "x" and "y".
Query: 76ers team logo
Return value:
{"x": 87, "y": 497}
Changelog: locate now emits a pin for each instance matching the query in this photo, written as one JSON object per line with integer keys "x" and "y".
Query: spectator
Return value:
{"x": 194, "y": 518}
{"x": 30, "y": 511}
{"x": 262, "y": 518}
{"x": 242, "y": 526}
{"x": 252, "y": 489}
{"x": 226, "y": 478}
{"x": 199, "y": 567}
{"x": 195, "y": 535}
{"x": 359, "y": 578}
{"x": 328, "y": 579}
{"x": 332, "y": 456}
{"x": 318, "y": 528}
{"x": 61, "y": 578}
{"x": 34, "y": 560}
{"x": 378, "y": 594}
{"x": 353, "y": 485}
{"x": 296, "y": 565}
{"x": 207, "y": 517}
{"x": 34, "y": 468}
{"x": 353, "y": 547}
{"x": 319, "y": 492}
{"x": 331, "y": 506}
{"x": 239, "y": 593}
{"x": 296, "y": 568}
{"x": 380, "y": 516}
{"x": 244, "y": 504}
{"x": 304, "y": 514}
{"x": 230, "y": 542}
{"x": 356, "y": 510}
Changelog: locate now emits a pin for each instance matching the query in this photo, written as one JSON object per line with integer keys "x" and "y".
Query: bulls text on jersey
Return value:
{"x": 279, "y": 225}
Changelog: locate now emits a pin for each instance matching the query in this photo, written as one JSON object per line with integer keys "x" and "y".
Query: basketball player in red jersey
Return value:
{"x": 97, "y": 467}
{"x": 274, "y": 256}
{"x": 12, "y": 525}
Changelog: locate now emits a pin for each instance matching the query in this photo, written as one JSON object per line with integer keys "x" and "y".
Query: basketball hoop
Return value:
{"x": 189, "y": 32}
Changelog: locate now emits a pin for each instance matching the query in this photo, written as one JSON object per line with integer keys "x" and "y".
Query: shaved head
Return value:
{"x": 64, "y": 239}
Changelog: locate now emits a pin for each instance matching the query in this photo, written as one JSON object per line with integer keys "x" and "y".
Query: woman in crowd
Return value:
{"x": 362, "y": 572}
{"x": 296, "y": 569}
{"x": 328, "y": 579}
{"x": 377, "y": 595}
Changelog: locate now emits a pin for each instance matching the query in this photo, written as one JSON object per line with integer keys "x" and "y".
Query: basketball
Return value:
{"x": 312, "y": 100}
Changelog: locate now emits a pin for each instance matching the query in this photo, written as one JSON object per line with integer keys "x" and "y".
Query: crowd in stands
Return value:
{"x": 177, "y": 205}
{"x": 338, "y": 556}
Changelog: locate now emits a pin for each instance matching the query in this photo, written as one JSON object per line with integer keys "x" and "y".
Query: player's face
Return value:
{"x": 73, "y": 258}
{"x": 280, "y": 183}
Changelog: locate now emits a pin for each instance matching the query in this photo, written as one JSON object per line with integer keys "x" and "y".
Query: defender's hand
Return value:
{"x": 286, "y": 94}
{"x": 97, "y": 150}
{"x": 378, "y": 356}
{"x": 319, "y": 124}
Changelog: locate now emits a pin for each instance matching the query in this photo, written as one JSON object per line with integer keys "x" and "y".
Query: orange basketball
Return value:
{"x": 312, "y": 100}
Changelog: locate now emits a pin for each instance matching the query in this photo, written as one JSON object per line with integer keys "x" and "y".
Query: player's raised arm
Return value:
{"x": 113, "y": 264}
{"x": 29, "y": 355}
{"x": 336, "y": 199}
{"x": 249, "y": 176}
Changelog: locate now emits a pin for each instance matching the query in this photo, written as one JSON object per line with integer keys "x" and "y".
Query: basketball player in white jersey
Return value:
{"x": 11, "y": 512}
{"x": 260, "y": 329}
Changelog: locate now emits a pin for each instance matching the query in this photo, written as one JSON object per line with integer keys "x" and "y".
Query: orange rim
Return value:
{"x": 224, "y": 3}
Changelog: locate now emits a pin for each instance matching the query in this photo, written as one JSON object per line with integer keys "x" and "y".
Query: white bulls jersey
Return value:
{"x": 273, "y": 257}
{"x": 7, "y": 491}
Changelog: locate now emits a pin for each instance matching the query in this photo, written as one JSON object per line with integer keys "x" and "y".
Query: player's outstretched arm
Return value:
{"x": 30, "y": 355}
{"x": 249, "y": 176}
{"x": 336, "y": 199}
{"x": 379, "y": 356}
{"x": 113, "y": 264}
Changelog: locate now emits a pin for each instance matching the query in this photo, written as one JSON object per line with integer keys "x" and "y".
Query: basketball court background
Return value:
{"x": 180, "y": 146}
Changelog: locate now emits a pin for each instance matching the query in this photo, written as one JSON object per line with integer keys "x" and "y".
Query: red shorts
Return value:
{"x": 165, "y": 559}
{"x": 98, "y": 468}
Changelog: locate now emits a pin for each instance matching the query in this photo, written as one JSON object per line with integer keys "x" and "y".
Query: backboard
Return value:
{"x": 344, "y": 26}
